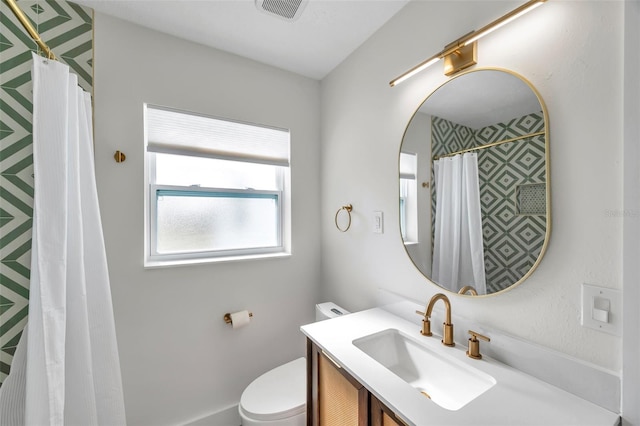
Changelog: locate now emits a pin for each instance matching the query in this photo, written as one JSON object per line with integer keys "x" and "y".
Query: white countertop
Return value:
{"x": 516, "y": 399}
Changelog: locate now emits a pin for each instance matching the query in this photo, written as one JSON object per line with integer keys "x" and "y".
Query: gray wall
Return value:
{"x": 572, "y": 53}
{"x": 631, "y": 238}
{"x": 180, "y": 361}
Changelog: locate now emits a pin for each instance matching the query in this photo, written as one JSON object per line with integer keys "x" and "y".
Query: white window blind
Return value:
{"x": 171, "y": 131}
{"x": 408, "y": 165}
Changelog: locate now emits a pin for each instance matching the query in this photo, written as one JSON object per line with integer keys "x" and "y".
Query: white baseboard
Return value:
{"x": 227, "y": 417}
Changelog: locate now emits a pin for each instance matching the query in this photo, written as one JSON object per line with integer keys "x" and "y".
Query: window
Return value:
{"x": 408, "y": 197}
{"x": 216, "y": 188}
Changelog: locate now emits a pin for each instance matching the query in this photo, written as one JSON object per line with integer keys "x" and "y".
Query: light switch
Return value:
{"x": 378, "y": 223}
{"x": 601, "y": 309}
{"x": 600, "y": 315}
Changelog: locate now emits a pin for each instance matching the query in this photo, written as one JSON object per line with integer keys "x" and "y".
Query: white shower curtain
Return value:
{"x": 458, "y": 254}
{"x": 66, "y": 369}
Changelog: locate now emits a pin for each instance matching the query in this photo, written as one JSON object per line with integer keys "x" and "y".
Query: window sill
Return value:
{"x": 153, "y": 264}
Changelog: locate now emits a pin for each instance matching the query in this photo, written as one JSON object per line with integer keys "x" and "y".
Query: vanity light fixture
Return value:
{"x": 462, "y": 53}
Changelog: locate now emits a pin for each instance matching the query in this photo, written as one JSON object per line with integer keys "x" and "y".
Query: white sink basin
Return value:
{"x": 448, "y": 382}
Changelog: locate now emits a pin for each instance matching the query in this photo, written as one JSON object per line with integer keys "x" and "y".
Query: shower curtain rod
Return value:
{"x": 27, "y": 26}
{"x": 489, "y": 145}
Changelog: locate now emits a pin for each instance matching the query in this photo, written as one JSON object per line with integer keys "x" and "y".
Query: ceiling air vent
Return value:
{"x": 288, "y": 10}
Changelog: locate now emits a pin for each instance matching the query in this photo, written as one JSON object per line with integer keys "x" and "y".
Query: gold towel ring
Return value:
{"x": 348, "y": 209}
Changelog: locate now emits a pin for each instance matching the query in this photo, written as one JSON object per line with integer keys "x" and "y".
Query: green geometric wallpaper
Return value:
{"x": 68, "y": 30}
{"x": 512, "y": 240}
{"x": 448, "y": 137}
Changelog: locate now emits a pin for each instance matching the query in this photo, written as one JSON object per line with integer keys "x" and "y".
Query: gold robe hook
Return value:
{"x": 119, "y": 157}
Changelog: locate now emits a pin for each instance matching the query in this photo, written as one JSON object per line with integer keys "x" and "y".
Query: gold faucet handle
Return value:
{"x": 475, "y": 335}
{"x": 474, "y": 344}
{"x": 426, "y": 324}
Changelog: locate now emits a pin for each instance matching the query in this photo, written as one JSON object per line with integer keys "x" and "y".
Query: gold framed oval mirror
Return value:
{"x": 475, "y": 205}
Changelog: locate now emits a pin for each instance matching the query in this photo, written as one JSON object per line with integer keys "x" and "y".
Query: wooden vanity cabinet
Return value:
{"x": 380, "y": 415}
{"x": 335, "y": 398}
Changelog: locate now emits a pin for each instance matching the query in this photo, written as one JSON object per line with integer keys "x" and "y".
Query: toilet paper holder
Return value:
{"x": 227, "y": 317}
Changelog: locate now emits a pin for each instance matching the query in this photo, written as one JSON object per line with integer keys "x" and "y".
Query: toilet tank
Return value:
{"x": 329, "y": 310}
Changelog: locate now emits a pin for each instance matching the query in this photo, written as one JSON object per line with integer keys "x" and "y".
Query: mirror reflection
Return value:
{"x": 474, "y": 183}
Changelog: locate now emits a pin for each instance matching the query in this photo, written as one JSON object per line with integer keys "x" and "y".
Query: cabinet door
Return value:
{"x": 381, "y": 415}
{"x": 342, "y": 401}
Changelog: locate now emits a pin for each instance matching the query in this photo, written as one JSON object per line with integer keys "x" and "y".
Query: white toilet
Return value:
{"x": 279, "y": 396}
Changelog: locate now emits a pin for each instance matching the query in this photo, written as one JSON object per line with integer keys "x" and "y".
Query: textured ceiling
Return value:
{"x": 326, "y": 32}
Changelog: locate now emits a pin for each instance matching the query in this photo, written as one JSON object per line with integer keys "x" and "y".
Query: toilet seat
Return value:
{"x": 277, "y": 394}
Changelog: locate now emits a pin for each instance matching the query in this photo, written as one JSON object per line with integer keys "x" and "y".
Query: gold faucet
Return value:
{"x": 447, "y": 333}
{"x": 468, "y": 289}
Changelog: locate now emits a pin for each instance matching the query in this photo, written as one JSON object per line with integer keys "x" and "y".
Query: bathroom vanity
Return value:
{"x": 374, "y": 367}
{"x": 338, "y": 398}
